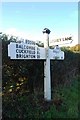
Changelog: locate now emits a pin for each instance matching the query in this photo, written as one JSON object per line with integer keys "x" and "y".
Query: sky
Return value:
{"x": 28, "y": 19}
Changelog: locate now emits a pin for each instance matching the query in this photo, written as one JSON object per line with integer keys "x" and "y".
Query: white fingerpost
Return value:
{"x": 29, "y": 50}
{"x": 47, "y": 79}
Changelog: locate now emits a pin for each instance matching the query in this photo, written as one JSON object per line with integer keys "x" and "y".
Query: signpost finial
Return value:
{"x": 46, "y": 30}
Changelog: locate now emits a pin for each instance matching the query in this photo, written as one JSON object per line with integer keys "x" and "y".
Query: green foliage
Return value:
{"x": 75, "y": 48}
{"x": 69, "y": 94}
{"x": 22, "y": 85}
{"x": 64, "y": 104}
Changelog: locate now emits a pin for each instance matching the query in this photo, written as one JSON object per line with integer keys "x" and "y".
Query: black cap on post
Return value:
{"x": 46, "y": 30}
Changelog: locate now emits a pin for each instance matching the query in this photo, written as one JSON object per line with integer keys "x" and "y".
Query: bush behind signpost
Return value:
{"x": 23, "y": 81}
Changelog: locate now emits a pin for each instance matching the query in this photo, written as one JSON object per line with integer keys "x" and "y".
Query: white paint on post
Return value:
{"x": 46, "y": 40}
{"x": 47, "y": 79}
{"x": 29, "y": 50}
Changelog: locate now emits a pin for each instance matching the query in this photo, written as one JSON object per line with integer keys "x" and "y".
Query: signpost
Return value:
{"x": 29, "y": 50}
{"x": 62, "y": 41}
{"x": 25, "y": 51}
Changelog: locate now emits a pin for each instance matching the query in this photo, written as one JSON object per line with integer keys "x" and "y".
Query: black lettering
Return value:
{"x": 16, "y": 55}
{"x": 16, "y": 50}
{"x": 16, "y": 45}
{"x": 29, "y": 42}
{"x": 38, "y": 52}
{"x": 24, "y": 46}
{"x": 20, "y": 56}
{"x": 26, "y": 56}
{"x": 19, "y": 46}
{"x": 32, "y": 56}
{"x": 26, "y": 41}
{"x": 38, "y": 56}
{"x": 24, "y": 51}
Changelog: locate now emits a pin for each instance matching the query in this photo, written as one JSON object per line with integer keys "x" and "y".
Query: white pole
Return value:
{"x": 47, "y": 79}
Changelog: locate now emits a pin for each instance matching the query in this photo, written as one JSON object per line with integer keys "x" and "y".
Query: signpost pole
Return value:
{"x": 47, "y": 79}
{"x": 29, "y": 50}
